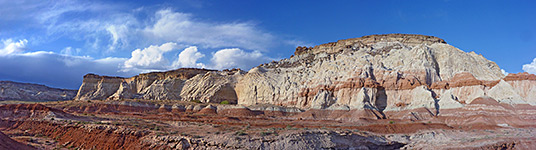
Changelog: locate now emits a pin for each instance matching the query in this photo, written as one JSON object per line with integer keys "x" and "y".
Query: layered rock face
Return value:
{"x": 383, "y": 72}
{"x": 185, "y": 84}
{"x": 31, "y": 92}
{"x": 391, "y": 72}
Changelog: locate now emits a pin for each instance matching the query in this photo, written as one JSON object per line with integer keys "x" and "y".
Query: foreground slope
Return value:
{"x": 7, "y": 143}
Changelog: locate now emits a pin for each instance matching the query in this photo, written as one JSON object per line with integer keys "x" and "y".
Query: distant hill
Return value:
{"x": 10, "y": 90}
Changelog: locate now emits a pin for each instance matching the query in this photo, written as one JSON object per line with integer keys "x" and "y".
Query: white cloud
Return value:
{"x": 70, "y": 51}
{"x": 237, "y": 58}
{"x": 150, "y": 58}
{"x": 119, "y": 35}
{"x": 504, "y": 72}
{"x": 188, "y": 58}
{"x": 530, "y": 68}
{"x": 11, "y": 47}
{"x": 153, "y": 58}
{"x": 183, "y": 28}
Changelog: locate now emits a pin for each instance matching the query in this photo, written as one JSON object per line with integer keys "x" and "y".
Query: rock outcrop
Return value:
{"x": 391, "y": 72}
{"x": 187, "y": 84}
{"x": 32, "y": 92}
{"x": 382, "y": 72}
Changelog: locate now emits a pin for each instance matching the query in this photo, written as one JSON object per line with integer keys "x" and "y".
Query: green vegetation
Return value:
{"x": 391, "y": 122}
{"x": 240, "y": 133}
{"x": 265, "y": 133}
{"x": 195, "y": 101}
{"x": 224, "y": 102}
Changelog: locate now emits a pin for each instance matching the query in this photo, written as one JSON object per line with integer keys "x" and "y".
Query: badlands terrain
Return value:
{"x": 393, "y": 91}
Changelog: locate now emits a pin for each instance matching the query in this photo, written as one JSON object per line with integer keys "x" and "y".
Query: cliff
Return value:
{"x": 30, "y": 92}
{"x": 186, "y": 84}
{"x": 390, "y": 72}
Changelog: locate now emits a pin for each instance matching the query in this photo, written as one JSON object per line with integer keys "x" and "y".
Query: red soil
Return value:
{"x": 7, "y": 143}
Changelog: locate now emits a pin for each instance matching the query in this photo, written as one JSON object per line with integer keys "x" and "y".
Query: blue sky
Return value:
{"x": 57, "y": 42}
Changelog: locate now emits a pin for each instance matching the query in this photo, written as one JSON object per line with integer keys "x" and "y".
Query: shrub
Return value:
{"x": 240, "y": 133}
{"x": 224, "y": 102}
{"x": 391, "y": 122}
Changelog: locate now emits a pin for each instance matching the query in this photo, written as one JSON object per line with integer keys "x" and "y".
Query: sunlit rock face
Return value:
{"x": 187, "y": 84}
{"x": 385, "y": 72}
{"x": 392, "y": 72}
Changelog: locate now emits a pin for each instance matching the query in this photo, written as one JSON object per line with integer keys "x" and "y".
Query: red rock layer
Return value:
{"x": 397, "y": 83}
{"x": 105, "y": 139}
{"x": 23, "y": 111}
{"x": 461, "y": 80}
{"x": 520, "y": 76}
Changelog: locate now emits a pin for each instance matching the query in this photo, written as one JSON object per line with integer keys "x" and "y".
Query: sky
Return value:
{"x": 57, "y": 42}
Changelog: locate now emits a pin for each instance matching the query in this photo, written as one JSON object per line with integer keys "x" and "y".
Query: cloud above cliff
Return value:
{"x": 188, "y": 58}
{"x": 150, "y": 58}
{"x": 237, "y": 58}
{"x": 157, "y": 58}
{"x": 530, "y": 68}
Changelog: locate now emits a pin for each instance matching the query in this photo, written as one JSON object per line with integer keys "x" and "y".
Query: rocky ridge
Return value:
{"x": 186, "y": 84}
{"x": 31, "y": 92}
{"x": 391, "y": 72}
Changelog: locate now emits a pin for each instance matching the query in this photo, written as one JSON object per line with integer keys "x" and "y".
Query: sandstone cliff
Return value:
{"x": 31, "y": 92}
{"x": 185, "y": 84}
{"x": 391, "y": 72}
{"x": 383, "y": 72}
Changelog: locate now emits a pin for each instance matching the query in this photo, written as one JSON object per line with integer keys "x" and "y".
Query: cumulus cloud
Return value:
{"x": 504, "y": 72}
{"x": 10, "y": 47}
{"x": 530, "y": 68}
{"x": 150, "y": 58}
{"x": 237, "y": 58}
{"x": 153, "y": 58}
{"x": 188, "y": 58}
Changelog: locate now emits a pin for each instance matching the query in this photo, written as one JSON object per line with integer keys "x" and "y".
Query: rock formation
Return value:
{"x": 31, "y": 92}
{"x": 391, "y": 72}
{"x": 185, "y": 84}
